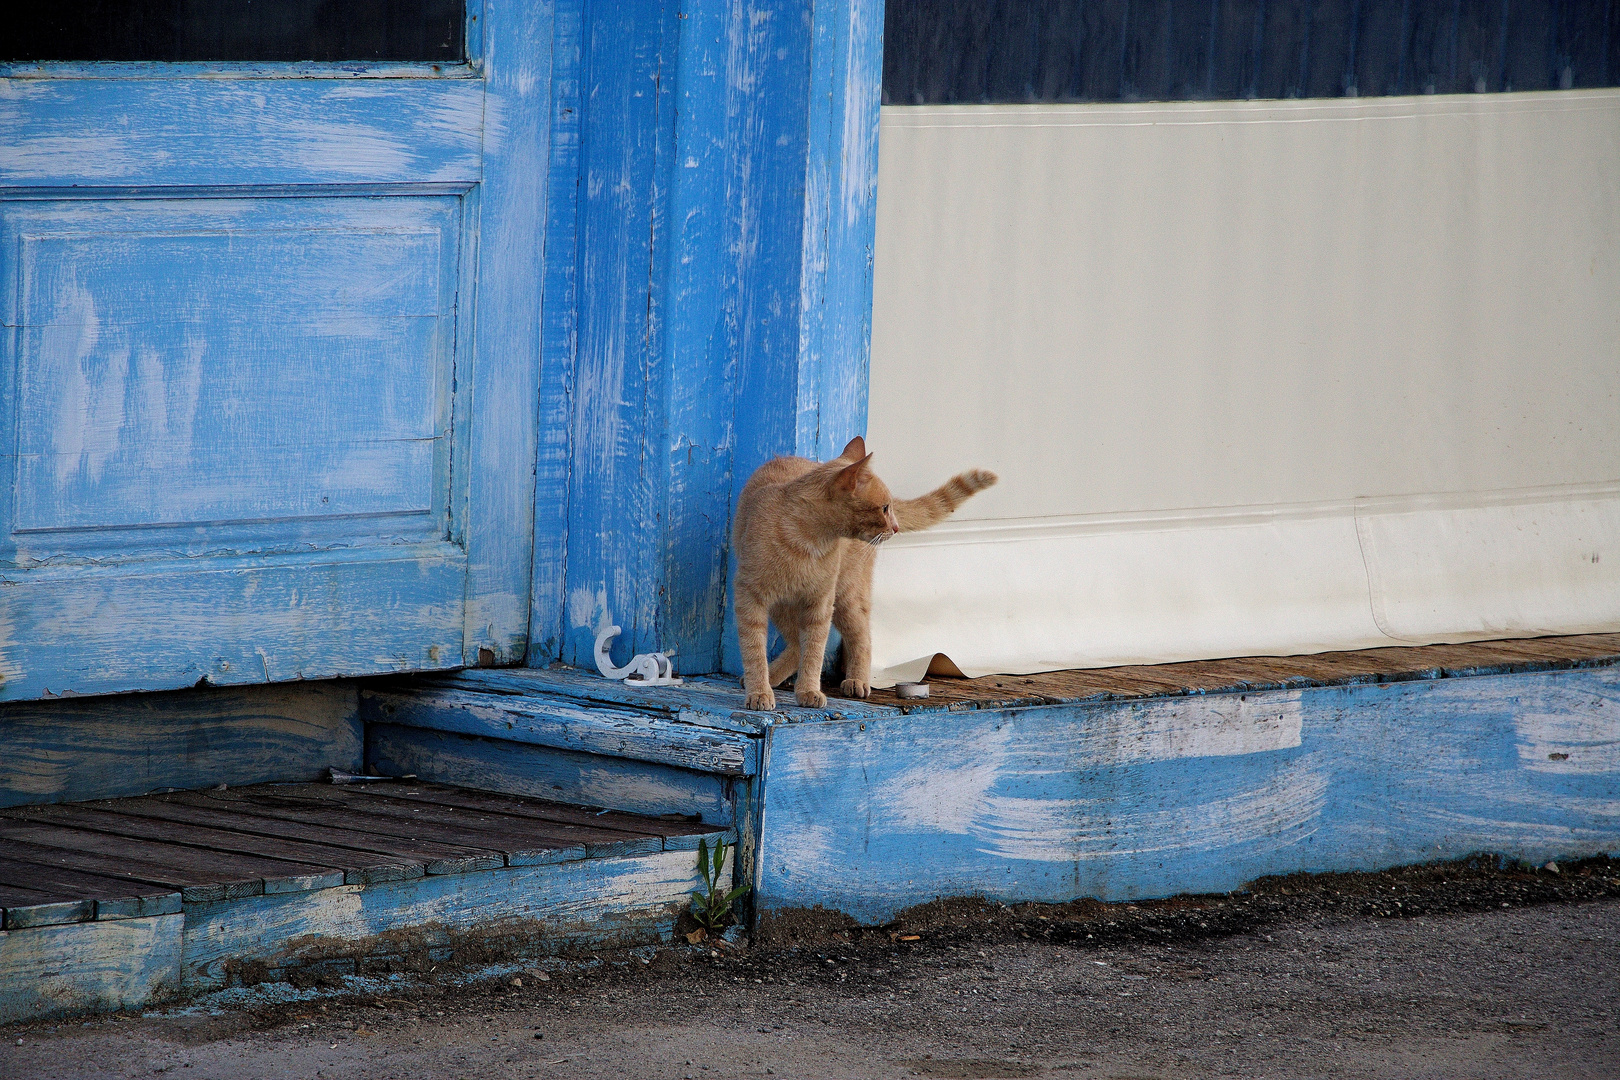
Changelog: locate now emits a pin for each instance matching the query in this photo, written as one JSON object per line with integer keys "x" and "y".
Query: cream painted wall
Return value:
{"x": 1263, "y": 377}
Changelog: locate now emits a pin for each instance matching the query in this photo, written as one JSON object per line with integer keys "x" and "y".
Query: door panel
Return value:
{"x": 179, "y": 131}
{"x": 241, "y": 437}
{"x": 201, "y": 362}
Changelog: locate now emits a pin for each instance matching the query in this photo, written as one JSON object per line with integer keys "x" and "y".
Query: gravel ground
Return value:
{"x": 1463, "y": 970}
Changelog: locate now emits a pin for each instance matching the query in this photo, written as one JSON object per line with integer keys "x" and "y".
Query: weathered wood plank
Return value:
{"x": 68, "y": 751}
{"x": 704, "y": 701}
{"x": 123, "y": 861}
{"x": 1199, "y": 793}
{"x": 377, "y": 610}
{"x": 676, "y": 835}
{"x": 551, "y": 721}
{"x": 521, "y": 841}
{"x": 24, "y": 907}
{"x": 559, "y": 317}
{"x": 498, "y": 376}
{"x": 113, "y": 964}
{"x": 697, "y": 300}
{"x": 285, "y": 865}
{"x": 546, "y": 773}
{"x": 363, "y": 857}
{"x": 65, "y": 132}
{"x": 114, "y": 897}
{"x": 625, "y": 899}
{"x": 614, "y": 558}
{"x": 1251, "y": 673}
{"x": 198, "y": 874}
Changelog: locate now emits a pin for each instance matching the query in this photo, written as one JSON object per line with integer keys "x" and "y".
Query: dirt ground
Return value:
{"x": 1464, "y": 970}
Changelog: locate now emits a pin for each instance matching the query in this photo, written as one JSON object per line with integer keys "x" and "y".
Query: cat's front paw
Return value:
{"x": 761, "y": 701}
{"x": 811, "y": 698}
{"x": 855, "y": 688}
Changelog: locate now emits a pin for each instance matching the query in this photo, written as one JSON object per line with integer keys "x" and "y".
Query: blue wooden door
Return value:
{"x": 268, "y": 371}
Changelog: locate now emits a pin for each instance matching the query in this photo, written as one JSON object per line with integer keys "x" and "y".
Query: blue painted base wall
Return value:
{"x": 1136, "y": 799}
{"x": 513, "y": 912}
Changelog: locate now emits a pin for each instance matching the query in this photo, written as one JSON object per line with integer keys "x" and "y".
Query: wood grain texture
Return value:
{"x": 519, "y": 841}
{"x": 61, "y": 133}
{"x": 558, "y": 338}
{"x": 503, "y": 370}
{"x": 543, "y": 772}
{"x": 1266, "y": 673}
{"x": 364, "y": 857}
{"x": 281, "y": 865}
{"x": 125, "y": 858}
{"x": 710, "y": 333}
{"x": 311, "y": 307}
{"x": 698, "y": 299}
{"x": 840, "y": 222}
{"x": 65, "y": 751}
{"x": 196, "y": 875}
{"x": 558, "y": 722}
{"x": 24, "y": 908}
{"x": 617, "y": 492}
{"x": 713, "y": 702}
{"x": 622, "y": 899}
{"x": 110, "y": 897}
{"x": 676, "y": 834}
{"x": 1198, "y": 793}
{"x": 93, "y": 966}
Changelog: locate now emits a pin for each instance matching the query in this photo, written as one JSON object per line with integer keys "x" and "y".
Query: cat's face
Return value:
{"x": 866, "y": 503}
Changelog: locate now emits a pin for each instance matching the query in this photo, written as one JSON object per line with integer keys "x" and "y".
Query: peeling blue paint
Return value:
{"x": 1128, "y": 800}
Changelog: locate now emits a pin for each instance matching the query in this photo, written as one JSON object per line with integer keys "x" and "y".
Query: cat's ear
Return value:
{"x": 854, "y": 450}
{"x": 851, "y": 475}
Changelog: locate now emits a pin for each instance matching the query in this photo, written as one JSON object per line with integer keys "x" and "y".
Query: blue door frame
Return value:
{"x": 708, "y": 284}
{"x": 269, "y": 365}
{"x": 653, "y": 228}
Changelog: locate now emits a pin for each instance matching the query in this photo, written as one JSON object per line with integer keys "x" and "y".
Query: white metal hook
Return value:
{"x": 644, "y": 669}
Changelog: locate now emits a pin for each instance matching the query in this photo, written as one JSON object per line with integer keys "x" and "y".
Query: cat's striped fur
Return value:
{"x": 806, "y": 537}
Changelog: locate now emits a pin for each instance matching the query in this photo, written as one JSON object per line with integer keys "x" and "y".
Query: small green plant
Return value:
{"x": 711, "y": 908}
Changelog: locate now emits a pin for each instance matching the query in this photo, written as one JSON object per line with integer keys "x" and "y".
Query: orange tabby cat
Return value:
{"x": 806, "y": 537}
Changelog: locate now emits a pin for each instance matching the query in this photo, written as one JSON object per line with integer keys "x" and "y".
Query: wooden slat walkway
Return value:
{"x": 123, "y": 858}
{"x": 1397, "y": 664}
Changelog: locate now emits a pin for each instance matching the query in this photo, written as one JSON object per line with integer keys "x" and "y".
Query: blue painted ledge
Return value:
{"x": 868, "y": 809}
{"x": 561, "y": 733}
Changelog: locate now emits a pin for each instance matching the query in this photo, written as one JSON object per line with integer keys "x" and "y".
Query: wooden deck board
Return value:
{"x": 26, "y": 907}
{"x": 526, "y": 842}
{"x": 199, "y": 875}
{"x": 612, "y": 820}
{"x": 194, "y": 874}
{"x": 114, "y": 898}
{"x": 1254, "y": 673}
{"x": 365, "y": 858}
{"x": 283, "y": 865}
{"x": 121, "y": 858}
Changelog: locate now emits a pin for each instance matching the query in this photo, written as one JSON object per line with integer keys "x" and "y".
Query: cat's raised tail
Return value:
{"x": 931, "y": 509}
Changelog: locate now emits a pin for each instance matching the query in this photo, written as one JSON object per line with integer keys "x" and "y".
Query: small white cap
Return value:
{"x": 911, "y": 689}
